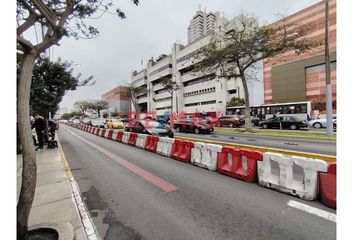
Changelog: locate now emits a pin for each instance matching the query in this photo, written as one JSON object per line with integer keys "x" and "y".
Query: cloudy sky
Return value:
{"x": 148, "y": 31}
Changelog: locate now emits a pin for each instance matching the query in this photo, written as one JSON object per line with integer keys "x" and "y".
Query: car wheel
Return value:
{"x": 231, "y": 125}
{"x": 265, "y": 126}
{"x": 196, "y": 130}
{"x": 293, "y": 127}
{"x": 178, "y": 129}
{"x": 317, "y": 125}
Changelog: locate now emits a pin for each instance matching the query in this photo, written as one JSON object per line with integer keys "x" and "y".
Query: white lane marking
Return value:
{"x": 312, "y": 210}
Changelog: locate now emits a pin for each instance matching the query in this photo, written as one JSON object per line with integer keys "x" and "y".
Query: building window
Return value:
{"x": 233, "y": 91}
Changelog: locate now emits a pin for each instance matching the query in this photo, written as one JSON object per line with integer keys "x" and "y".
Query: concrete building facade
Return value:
{"x": 118, "y": 100}
{"x": 198, "y": 92}
{"x": 204, "y": 23}
{"x": 302, "y": 77}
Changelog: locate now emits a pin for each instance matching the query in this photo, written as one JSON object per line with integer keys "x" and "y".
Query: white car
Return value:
{"x": 76, "y": 121}
{"x": 98, "y": 122}
{"x": 319, "y": 123}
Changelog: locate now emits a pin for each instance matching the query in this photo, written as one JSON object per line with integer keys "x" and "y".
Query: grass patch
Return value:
{"x": 278, "y": 133}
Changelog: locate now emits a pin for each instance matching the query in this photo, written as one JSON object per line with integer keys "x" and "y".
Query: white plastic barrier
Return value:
{"x": 140, "y": 141}
{"x": 125, "y": 138}
{"x": 99, "y": 132}
{"x": 205, "y": 155}
{"x": 164, "y": 146}
{"x": 106, "y": 133}
{"x": 114, "y": 135}
{"x": 284, "y": 181}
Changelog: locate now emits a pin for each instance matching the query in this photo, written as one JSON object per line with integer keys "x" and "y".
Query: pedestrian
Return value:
{"x": 39, "y": 125}
{"x": 52, "y": 127}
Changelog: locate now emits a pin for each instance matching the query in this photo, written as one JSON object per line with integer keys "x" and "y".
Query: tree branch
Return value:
{"x": 30, "y": 21}
{"x": 27, "y": 45}
{"x": 46, "y": 12}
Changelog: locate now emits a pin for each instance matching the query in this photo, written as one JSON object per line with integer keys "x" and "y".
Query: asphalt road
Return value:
{"x": 135, "y": 194}
{"x": 310, "y": 146}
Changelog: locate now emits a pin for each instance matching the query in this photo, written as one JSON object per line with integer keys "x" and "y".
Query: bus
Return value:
{"x": 300, "y": 110}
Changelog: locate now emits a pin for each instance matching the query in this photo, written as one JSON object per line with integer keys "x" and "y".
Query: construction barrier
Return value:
{"x": 205, "y": 155}
{"x": 103, "y": 132}
{"x": 239, "y": 163}
{"x": 306, "y": 188}
{"x": 114, "y": 135}
{"x": 181, "y": 150}
{"x": 125, "y": 137}
{"x": 109, "y": 134}
{"x": 132, "y": 139}
{"x": 97, "y": 131}
{"x": 328, "y": 186}
{"x": 119, "y": 136}
{"x": 140, "y": 142}
{"x": 164, "y": 146}
{"x": 151, "y": 143}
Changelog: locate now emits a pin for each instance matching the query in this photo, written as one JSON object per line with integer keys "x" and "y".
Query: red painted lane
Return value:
{"x": 159, "y": 182}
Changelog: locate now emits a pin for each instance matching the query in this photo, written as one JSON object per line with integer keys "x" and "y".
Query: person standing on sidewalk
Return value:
{"x": 39, "y": 125}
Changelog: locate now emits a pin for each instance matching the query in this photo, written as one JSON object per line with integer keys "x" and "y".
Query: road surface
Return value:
{"x": 302, "y": 145}
{"x": 135, "y": 194}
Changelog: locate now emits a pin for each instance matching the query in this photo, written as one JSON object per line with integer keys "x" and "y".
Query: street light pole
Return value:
{"x": 329, "y": 119}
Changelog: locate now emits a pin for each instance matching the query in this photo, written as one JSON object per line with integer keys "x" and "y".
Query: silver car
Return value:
{"x": 319, "y": 123}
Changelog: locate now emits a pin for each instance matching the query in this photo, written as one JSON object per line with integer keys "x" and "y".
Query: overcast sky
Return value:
{"x": 148, "y": 31}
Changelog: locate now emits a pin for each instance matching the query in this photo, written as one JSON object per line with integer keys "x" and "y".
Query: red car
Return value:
{"x": 231, "y": 121}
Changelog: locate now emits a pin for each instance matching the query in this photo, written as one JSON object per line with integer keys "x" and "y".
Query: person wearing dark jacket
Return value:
{"x": 39, "y": 125}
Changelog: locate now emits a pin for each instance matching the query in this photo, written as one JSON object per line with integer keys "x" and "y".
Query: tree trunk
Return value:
{"x": 248, "y": 123}
{"x": 29, "y": 167}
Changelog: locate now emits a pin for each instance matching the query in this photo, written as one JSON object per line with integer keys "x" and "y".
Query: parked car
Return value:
{"x": 86, "y": 121}
{"x": 115, "y": 123}
{"x": 231, "y": 121}
{"x": 149, "y": 127}
{"x": 76, "y": 121}
{"x": 255, "y": 120}
{"x": 100, "y": 122}
{"x": 196, "y": 125}
{"x": 285, "y": 122}
{"x": 320, "y": 122}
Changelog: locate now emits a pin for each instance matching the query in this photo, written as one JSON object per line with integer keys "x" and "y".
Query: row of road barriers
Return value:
{"x": 306, "y": 178}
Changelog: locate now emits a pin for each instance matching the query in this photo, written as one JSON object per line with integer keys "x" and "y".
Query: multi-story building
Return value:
{"x": 197, "y": 92}
{"x": 118, "y": 100}
{"x": 204, "y": 23}
{"x": 302, "y": 77}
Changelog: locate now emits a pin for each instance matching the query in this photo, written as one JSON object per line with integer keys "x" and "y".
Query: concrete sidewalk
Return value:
{"x": 54, "y": 203}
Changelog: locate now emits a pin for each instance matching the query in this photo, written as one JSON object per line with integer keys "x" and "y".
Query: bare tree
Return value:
{"x": 97, "y": 105}
{"x": 58, "y": 18}
{"x": 236, "y": 48}
{"x": 171, "y": 87}
{"x": 134, "y": 93}
{"x": 83, "y": 106}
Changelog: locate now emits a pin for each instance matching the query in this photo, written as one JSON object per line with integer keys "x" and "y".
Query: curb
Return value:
{"x": 86, "y": 221}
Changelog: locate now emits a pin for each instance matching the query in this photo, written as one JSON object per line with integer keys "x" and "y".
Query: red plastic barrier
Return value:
{"x": 132, "y": 139}
{"x": 236, "y": 169}
{"x": 119, "y": 136}
{"x": 181, "y": 150}
{"x": 328, "y": 186}
{"x": 110, "y": 133}
{"x": 103, "y": 132}
{"x": 151, "y": 143}
{"x": 97, "y": 131}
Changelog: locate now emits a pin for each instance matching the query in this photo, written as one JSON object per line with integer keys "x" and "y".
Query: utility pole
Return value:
{"x": 329, "y": 119}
